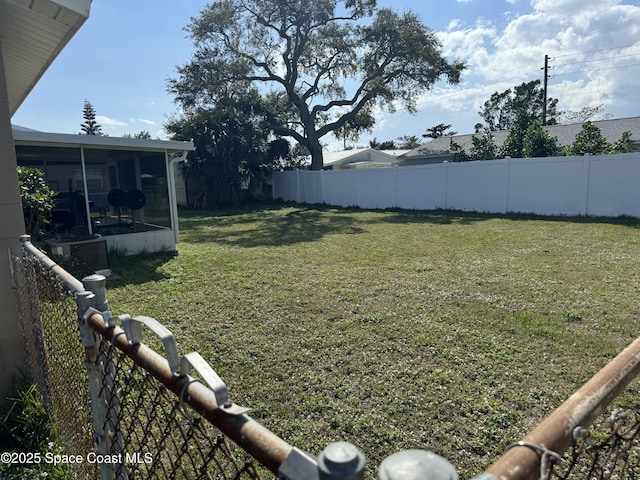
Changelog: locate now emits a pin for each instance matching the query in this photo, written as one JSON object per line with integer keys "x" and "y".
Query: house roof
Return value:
{"x": 32, "y": 34}
{"x": 25, "y": 136}
{"x": 611, "y": 129}
{"x": 362, "y": 156}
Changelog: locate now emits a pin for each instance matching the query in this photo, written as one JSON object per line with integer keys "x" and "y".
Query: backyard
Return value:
{"x": 446, "y": 331}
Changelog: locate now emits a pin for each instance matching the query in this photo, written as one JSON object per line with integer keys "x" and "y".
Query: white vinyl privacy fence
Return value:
{"x": 602, "y": 185}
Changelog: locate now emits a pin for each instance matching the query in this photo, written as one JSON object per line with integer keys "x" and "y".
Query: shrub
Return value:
{"x": 37, "y": 201}
{"x": 26, "y": 427}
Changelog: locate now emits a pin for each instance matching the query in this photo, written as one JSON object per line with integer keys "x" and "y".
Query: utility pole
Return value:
{"x": 546, "y": 77}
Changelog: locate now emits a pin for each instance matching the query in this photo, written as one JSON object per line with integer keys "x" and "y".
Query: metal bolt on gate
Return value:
{"x": 416, "y": 465}
{"x": 341, "y": 460}
{"x": 338, "y": 461}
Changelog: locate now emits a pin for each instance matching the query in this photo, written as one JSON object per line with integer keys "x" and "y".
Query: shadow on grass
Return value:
{"x": 280, "y": 224}
{"x": 137, "y": 269}
{"x": 445, "y": 217}
{"x": 258, "y": 226}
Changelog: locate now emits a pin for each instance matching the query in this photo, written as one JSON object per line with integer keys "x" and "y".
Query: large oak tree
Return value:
{"x": 318, "y": 63}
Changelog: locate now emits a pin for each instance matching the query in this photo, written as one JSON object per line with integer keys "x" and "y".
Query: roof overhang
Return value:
{"x": 32, "y": 34}
{"x": 33, "y": 137}
{"x": 359, "y": 155}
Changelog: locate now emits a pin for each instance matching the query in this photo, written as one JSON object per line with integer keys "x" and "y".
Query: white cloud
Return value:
{"x": 161, "y": 134}
{"x": 110, "y": 122}
{"x": 470, "y": 44}
{"x": 119, "y": 127}
{"x": 578, "y": 35}
{"x": 133, "y": 121}
{"x": 453, "y": 24}
{"x": 571, "y": 7}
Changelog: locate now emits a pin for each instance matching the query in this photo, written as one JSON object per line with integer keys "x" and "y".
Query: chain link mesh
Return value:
{"x": 610, "y": 449}
{"x": 168, "y": 439}
{"x": 152, "y": 433}
{"x": 48, "y": 318}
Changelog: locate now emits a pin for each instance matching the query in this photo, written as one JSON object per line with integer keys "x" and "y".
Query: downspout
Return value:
{"x": 173, "y": 200}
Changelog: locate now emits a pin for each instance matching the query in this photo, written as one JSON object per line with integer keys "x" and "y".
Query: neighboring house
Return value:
{"x": 32, "y": 34}
{"x": 438, "y": 150}
{"x": 122, "y": 189}
{"x": 362, "y": 158}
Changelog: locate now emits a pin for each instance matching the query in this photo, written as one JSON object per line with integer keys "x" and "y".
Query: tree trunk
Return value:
{"x": 317, "y": 159}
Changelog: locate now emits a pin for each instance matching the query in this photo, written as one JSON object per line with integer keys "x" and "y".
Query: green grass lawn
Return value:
{"x": 447, "y": 331}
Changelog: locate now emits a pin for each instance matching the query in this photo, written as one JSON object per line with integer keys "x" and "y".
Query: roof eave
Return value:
{"x": 22, "y": 137}
{"x": 33, "y": 34}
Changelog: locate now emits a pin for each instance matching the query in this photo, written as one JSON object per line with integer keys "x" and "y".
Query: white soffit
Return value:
{"x": 32, "y": 34}
{"x": 23, "y": 136}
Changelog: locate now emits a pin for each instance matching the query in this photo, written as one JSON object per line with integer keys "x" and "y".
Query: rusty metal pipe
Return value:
{"x": 555, "y": 433}
{"x": 71, "y": 282}
{"x": 263, "y": 445}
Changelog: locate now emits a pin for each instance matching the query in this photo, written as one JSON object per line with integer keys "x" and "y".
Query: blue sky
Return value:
{"x": 122, "y": 56}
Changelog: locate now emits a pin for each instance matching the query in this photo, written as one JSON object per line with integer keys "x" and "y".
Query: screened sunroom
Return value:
{"x": 117, "y": 192}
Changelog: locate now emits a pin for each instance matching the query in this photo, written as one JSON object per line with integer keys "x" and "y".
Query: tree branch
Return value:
{"x": 345, "y": 118}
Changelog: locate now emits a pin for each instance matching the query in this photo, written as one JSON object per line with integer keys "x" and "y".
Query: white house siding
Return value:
{"x": 143, "y": 242}
{"x": 603, "y": 185}
{"x": 11, "y": 344}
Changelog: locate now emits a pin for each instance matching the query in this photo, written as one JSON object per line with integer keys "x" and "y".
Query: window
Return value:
{"x": 94, "y": 180}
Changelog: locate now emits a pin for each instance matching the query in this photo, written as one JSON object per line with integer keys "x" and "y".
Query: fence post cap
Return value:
{"x": 94, "y": 280}
{"x": 341, "y": 460}
{"x": 416, "y": 465}
{"x": 85, "y": 299}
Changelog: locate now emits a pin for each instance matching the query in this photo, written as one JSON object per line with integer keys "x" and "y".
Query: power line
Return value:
{"x": 596, "y": 60}
{"x": 608, "y": 90}
{"x": 448, "y": 100}
{"x": 593, "y": 70}
{"x": 593, "y": 51}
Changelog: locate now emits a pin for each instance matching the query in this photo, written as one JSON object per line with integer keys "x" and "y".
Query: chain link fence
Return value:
{"x": 578, "y": 440}
{"x": 609, "y": 449}
{"x": 168, "y": 439}
{"x": 111, "y": 411}
{"x": 139, "y": 414}
{"x": 48, "y": 314}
